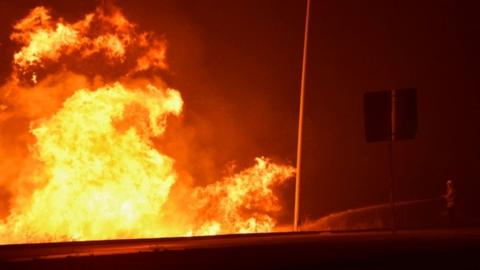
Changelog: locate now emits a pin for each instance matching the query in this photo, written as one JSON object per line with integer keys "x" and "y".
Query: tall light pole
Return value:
{"x": 300, "y": 122}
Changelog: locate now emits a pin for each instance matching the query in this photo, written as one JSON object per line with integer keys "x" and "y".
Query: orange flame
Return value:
{"x": 86, "y": 164}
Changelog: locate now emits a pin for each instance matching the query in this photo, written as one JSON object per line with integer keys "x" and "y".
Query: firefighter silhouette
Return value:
{"x": 450, "y": 202}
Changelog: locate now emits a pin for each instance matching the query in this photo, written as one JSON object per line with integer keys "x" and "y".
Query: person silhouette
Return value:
{"x": 450, "y": 202}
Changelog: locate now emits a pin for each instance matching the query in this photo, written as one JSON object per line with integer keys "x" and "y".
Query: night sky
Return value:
{"x": 237, "y": 65}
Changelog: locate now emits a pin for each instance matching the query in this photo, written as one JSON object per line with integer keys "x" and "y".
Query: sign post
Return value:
{"x": 390, "y": 116}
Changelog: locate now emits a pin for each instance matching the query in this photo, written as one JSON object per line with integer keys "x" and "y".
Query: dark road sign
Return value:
{"x": 390, "y": 115}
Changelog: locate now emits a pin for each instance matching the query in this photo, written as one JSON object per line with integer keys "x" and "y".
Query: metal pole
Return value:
{"x": 300, "y": 122}
{"x": 393, "y": 130}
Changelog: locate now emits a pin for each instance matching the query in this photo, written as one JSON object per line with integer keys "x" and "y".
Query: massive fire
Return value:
{"x": 77, "y": 119}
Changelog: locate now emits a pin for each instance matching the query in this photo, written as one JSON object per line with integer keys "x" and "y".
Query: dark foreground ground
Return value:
{"x": 426, "y": 249}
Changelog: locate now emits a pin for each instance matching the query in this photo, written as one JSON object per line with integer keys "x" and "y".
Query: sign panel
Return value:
{"x": 390, "y": 115}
